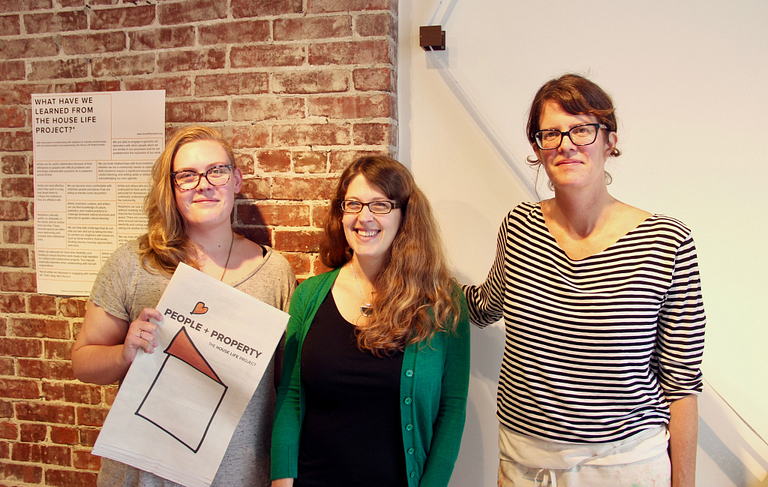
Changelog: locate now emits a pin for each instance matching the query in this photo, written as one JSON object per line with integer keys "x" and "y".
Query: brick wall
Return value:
{"x": 300, "y": 87}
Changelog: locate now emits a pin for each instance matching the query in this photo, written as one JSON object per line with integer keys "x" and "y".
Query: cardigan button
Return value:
{"x": 409, "y": 373}
{"x": 410, "y": 451}
{"x": 408, "y": 400}
{"x": 408, "y": 427}
{"x": 413, "y": 474}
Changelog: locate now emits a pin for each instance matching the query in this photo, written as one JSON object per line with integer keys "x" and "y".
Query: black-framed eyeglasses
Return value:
{"x": 584, "y": 134}
{"x": 187, "y": 179}
{"x": 376, "y": 207}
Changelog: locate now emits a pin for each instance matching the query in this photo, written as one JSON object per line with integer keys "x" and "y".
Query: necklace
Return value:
{"x": 229, "y": 254}
{"x": 365, "y": 310}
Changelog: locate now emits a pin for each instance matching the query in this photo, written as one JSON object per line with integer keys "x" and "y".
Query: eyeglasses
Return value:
{"x": 375, "y": 207}
{"x": 187, "y": 179}
{"x": 580, "y": 135}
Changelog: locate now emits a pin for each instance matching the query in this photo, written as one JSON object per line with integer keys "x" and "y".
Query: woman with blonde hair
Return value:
{"x": 189, "y": 209}
{"x": 376, "y": 372}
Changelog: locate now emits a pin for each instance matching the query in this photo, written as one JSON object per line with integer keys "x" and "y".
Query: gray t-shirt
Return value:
{"x": 124, "y": 288}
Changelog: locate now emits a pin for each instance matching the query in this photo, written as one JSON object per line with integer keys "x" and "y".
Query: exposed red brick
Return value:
{"x": 267, "y": 108}
{"x": 13, "y": 211}
{"x": 20, "y": 347}
{"x": 23, "y": 473}
{"x": 68, "y": 478}
{"x": 299, "y": 188}
{"x": 312, "y": 134}
{"x": 196, "y": 111}
{"x": 16, "y": 234}
{"x": 370, "y": 133}
{"x": 91, "y": 416}
{"x": 20, "y": 140}
{"x": 29, "y": 48}
{"x": 239, "y": 32}
{"x": 267, "y": 56}
{"x": 42, "y": 304}
{"x": 57, "y": 350}
{"x": 72, "y": 307}
{"x": 174, "y": 86}
{"x": 12, "y": 70}
{"x": 373, "y": 79}
{"x": 14, "y": 257}
{"x": 342, "y": 158}
{"x": 313, "y": 28}
{"x": 93, "y": 43}
{"x": 300, "y": 263}
{"x": 258, "y": 189}
{"x": 33, "y": 432}
{"x": 310, "y": 161}
{"x": 24, "y": 282}
{"x": 122, "y": 17}
{"x": 13, "y": 117}
{"x": 6, "y": 408}
{"x": 91, "y": 85}
{"x": 82, "y": 393}
{"x": 56, "y": 455}
{"x": 8, "y": 430}
{"x": 14, "y": 164}
{"x": 274, "y": 160}
{"x": 351, "y": 106}
{"x": 23, "y": 187}
{"x": 10, "y": 25}
{"x": 323, "y": 6}
{"x": 298, "y": 240}
{"x": 246, "y": 136}
{"x": 88, "y": 436}
{"x": 272, "y": 214}
{"x": 12, "y": 303}
{"x": 125, "y": 65}
{"x": 45, "y": 413}
{"x": 191, "y": 11}
{"x": 59, "y": 69}
{"x": 231, "y": 84}
{"x": 380, "y": 24}
{"x": 25, "y": 452}
{"x": 314, "y": 81}
{"x": 362, "y": 52}
{"x": 193, "y": 60}
{"x": 19, "y": 388}
{"x": 84, "y": 460}
{"x": 64, "y": 435}
{"x": 263, "y": 8}
{"x": 40, "y": 328}
{"x": 53, "y": 391}
{"x": 164, "y": 38}
{"x": 55, "y": 22}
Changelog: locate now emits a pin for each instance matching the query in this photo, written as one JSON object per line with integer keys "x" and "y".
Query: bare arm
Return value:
{"x": 683, "y": 432}
{"x": 107, "y": 345}
{"x": 282, "y": 483}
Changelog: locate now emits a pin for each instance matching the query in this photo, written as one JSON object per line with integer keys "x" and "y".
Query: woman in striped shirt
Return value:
{"x": 603, "y": 313}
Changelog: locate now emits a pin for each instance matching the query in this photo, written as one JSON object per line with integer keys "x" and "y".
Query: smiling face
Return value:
{"x": 206, "y": 206}
{"x": 570, "y": 165}
{"x": 369, "y": 235}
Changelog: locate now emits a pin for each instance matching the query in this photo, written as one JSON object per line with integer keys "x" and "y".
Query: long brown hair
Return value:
{"x": 166, "y": 243}
{"x": 415, "y": 291}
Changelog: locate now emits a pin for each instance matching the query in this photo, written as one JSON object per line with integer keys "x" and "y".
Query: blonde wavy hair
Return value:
{"x": 166, "y": 243}
{"x": 416, "y": 295}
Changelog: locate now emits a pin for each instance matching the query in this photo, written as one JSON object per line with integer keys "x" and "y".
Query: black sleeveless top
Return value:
{"x": 351, "y": 432}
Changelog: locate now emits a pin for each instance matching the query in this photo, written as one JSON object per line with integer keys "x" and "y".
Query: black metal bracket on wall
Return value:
{"x": 432, "y": 37}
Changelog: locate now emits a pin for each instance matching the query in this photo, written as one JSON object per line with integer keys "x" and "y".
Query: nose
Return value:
{"x": 365, "y": 214}
{"x": 567, "y": 143}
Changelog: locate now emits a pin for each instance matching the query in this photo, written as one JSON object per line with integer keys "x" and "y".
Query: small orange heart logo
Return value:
{"x": 200, "y": 309}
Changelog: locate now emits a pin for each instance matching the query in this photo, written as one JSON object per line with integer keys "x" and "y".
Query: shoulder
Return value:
{"x": 319, "y": 282}
{"x": 666, "y": 226}
{"x": 277, "y": 261}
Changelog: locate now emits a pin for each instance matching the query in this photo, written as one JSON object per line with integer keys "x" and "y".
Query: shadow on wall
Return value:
{"x": 728, "y": 447}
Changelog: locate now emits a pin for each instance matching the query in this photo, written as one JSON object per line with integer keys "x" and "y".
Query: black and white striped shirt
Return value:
{"x": 595, "y": 348}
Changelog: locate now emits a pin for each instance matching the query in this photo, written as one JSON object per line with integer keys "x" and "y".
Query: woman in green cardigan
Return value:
{"x": 376, "y": 368}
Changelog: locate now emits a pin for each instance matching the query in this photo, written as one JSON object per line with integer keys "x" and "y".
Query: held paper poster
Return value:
{"x": 178, "y": 407}
{"x": 93, "y": 155}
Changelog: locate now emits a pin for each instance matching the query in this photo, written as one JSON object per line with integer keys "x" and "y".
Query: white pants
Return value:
{"x": 639, "y": 461}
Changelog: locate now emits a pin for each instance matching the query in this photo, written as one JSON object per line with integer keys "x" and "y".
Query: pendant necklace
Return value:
{"x": 229, "y": 254}
{"x": 365, "y": 310}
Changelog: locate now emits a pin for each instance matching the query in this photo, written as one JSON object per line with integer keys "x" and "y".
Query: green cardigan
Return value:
{"x": 433, "y": 393}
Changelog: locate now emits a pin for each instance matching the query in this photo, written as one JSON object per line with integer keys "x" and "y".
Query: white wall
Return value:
{"x": 689, "y": 82}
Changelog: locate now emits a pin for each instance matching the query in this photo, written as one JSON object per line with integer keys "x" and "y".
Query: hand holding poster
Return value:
{"x": 178, "y": 407}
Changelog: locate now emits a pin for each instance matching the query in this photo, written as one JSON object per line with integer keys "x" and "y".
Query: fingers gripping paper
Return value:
{"x": 178, "y": 407}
